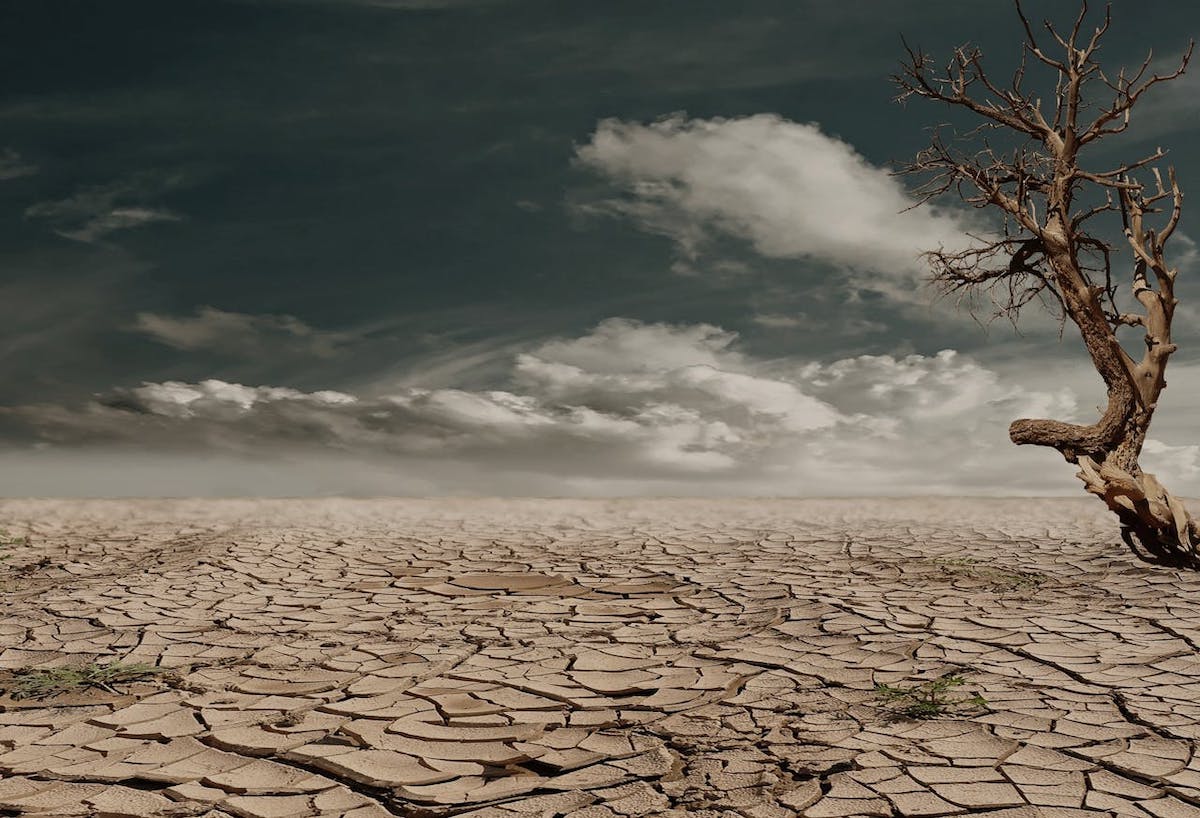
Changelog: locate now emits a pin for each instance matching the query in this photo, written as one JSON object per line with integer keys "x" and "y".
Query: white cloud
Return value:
{"x": 1181, "y": 462}
{"x": 92, "y": 213}
{"x": 788, "y": 188}
{"x": 239, "y": 333}
{"x": 937, "y": 424}
{"x": 621, "y": 345}
{"x": 847, "y": 326}
{"x": 181, "y": 400}
{"x": 628, "y": 407}
{"x": 119, "y": 218}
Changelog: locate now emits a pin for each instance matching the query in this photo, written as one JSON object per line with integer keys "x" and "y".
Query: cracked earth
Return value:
{"x": 596, "y": 659}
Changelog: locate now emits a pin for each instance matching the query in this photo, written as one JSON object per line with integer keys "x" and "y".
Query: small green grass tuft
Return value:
{"x": 928, "y": 700}
{"x": 42, "y": 683}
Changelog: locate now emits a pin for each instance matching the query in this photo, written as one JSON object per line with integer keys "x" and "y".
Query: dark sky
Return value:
{"x": 396, "y": 200}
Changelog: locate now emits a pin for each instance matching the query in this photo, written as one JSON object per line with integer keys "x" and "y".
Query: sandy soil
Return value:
{"x": 597, "y": 659}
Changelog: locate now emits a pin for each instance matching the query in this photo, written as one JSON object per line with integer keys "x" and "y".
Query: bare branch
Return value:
{"x": 1098, "y": 34}
{"x": 1078, "y": 221}
{"x": 1009, "y": 110}
{"x": 1176, "y": 208}
{"x": 1127, "y": 92}
{"x": 1031, "y": 44}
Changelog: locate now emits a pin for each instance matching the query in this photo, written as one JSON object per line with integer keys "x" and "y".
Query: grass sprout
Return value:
{"x": 928, "y": 700}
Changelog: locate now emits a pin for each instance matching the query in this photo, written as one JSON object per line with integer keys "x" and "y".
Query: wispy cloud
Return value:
{"x": 93, "y": 213}
{"x": 671, "y": 408}
{"x": 13, "y": 166}
{"x": 787, "y": 188}
{"x": 848, "y": 326}
{"x": 776, "y": 320}
{"x": 240, "y": 334}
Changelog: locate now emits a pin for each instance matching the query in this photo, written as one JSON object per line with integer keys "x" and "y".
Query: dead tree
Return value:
{"x": 1060, "y": 227}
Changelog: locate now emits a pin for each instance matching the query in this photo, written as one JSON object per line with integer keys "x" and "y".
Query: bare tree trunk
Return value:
{"x": 1147, "y": 510}
{"x": 1108, "y": 451}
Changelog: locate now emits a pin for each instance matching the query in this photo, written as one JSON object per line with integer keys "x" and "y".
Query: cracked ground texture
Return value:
{"x": 596, "y": 659}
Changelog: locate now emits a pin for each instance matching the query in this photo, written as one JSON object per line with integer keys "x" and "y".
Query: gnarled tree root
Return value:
{"x": 1149, "y": 513}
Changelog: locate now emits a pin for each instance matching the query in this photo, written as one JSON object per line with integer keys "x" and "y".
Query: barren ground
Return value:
{"x": 596, "y": 659}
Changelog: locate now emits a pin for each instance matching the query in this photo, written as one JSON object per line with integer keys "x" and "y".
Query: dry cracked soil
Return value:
{"x": 597, "y": 659}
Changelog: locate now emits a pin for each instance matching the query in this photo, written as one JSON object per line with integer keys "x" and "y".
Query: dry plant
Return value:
{"x": 41, "y": 683}
{"x": 1062, "y": 224}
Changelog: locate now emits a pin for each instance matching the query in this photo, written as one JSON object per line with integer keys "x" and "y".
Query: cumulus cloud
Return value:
{"x": 1180, "y": 462}
{"x": 628, "y": 407}
{"x": 239, "y": 333}
{"x": 93, "y": 213}
{"x": 789, "y": 189}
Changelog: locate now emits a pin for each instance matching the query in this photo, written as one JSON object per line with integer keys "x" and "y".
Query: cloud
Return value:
{"x": 847, "y": 326}
{"x": 789, "y": 189}
{"x": 776, "y": 320}
{"x": 239, "y": 334}
{"x": 12, "y": 166}
{"x": 1181, "y": 462}
{"x": 627, "y": 407}
{"x": 92, "y": 213}
{"x": 624, "y": 368}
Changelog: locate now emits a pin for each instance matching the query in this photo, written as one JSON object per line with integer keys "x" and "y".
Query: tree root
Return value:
{"x": 1149, "y": 513}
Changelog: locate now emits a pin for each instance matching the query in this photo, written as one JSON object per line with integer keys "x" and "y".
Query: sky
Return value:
{"x": 522, "y": 247}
